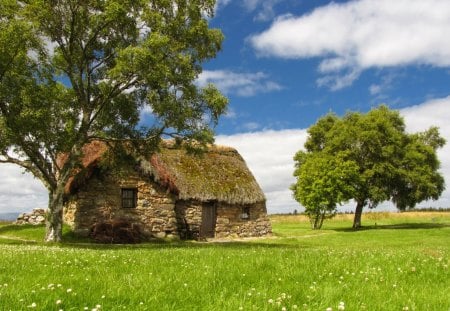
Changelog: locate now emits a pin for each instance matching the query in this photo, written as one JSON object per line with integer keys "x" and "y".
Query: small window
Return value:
{"x": 245, "y": 215}
{"x": 129, "y": 198}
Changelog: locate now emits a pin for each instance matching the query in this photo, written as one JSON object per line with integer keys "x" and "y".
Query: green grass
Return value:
{"x": 402, "y": 261}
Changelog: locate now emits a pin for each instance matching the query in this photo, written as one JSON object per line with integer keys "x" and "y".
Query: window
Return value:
{"x": 129, "y": 197}
{"x": 245, "y": 215}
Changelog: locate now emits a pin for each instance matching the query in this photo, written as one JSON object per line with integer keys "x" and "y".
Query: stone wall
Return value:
{"x": 35, "y": 217}
{"x": 189, "y": 218}
{"x": 100, "y": 199}
{"x": 231, "y": 224}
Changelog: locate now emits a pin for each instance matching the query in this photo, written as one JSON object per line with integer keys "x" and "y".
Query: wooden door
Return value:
{"x": 208, "y": 226}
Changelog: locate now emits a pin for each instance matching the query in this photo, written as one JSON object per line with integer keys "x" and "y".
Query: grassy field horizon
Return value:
{"x": 397, "y": 261}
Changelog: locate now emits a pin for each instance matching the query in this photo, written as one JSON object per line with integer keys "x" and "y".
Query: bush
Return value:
{"x": 116, "y": 231}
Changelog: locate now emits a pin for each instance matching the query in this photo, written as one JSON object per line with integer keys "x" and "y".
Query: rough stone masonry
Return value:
{"x": 35, "y": 217}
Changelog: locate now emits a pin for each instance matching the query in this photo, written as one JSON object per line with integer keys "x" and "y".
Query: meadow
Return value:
{"x": 395, "y": 262}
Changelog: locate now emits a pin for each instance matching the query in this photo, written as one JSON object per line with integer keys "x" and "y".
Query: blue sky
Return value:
{"x": 285, "y": 63}
{"x": 291, "y": 87}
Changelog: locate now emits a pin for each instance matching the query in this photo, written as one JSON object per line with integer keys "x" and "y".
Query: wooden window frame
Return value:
{"x": 245, "y": 213}
{"x": 128, "y": 197}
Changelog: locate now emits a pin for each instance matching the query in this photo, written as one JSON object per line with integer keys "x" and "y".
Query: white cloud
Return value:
{"x": 263, "y": 9}
{"x": 230, "y": 114}
{"x": 241, "y": 84}
{"x": 252, "y": 126}
{"x": 339, "y": 81}
{"x": 220, "y": 4}
{"x": 375, "y": 89}
{"x": 358, "y": 35}
{"x": 266, "y": 11}
{"x": 269, "y": 154}
{"x": 378, "y": 90}
{"x": 19, "y": 192}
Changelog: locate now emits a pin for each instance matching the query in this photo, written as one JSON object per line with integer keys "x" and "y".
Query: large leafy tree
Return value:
{"x": 74, "y": 71}
{"x": 391, "y": 163}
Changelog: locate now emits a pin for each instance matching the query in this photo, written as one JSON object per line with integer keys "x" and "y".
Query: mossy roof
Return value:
{"x": 220, "y": 174}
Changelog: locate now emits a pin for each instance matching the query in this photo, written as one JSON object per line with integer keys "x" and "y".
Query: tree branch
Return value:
{"x": 27, "y": 165}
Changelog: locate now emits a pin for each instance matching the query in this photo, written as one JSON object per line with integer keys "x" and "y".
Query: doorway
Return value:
{"x": 208, "y": 226}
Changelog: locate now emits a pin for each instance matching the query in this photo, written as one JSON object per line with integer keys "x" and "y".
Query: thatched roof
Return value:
{"x": 92, "y": 154}
{"x": 219, "y": 174}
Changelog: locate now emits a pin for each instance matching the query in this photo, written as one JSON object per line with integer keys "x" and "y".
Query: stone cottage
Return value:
{"x": 169, "y": 193}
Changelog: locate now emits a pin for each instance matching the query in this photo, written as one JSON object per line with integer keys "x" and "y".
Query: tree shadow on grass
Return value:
{"x": 11, "y": 235}
{"x": 155, "y": 245}
{"x": 401, "y": 226}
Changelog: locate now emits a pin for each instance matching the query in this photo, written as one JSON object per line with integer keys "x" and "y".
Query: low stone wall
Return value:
{"x": 35, "y": 217}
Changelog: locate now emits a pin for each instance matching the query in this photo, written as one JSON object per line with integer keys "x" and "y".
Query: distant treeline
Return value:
{"x": 428, "y": 209}
{"x": 422, "y": 209}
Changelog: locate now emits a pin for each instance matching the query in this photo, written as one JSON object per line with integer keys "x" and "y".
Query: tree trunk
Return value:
{"x": 316, "y": 221}
{"x": 358, "y": 213}
{"x": 55, "y": 216}
{"x": 322, "y": 217}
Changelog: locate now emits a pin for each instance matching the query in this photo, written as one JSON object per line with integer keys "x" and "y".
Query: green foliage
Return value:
{"x": 76, "y": 71}
{"x": 379, "y": 160}
{"x": 323, "y": 181}
{"x": 300, "y": 267}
